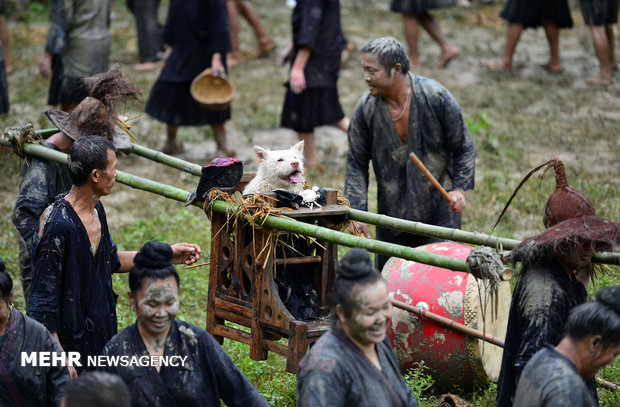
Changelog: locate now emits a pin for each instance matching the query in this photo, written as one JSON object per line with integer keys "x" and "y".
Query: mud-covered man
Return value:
{"x": 555, "y": 375}
{"x": 42, "y": 180}
{"x": 71, "y": 291}
{"x": 404, "y": 113}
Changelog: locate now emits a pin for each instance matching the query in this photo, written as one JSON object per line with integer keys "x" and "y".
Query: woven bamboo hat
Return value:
{"x": 212, "y": 92}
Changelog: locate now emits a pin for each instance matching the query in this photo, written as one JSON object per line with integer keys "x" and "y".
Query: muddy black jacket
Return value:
{"x": 549, "y": 379}
{"x": 207, "y": 376}
{"x": 28, "y": 385}
{"x": 541, "y": 301}
{"x": 335, "y": 373}
{"x": 41, "y": 182}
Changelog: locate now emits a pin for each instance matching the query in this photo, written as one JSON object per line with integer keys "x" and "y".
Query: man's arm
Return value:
{"x": 459, "y": 143}
{"x": 182, "y": 253}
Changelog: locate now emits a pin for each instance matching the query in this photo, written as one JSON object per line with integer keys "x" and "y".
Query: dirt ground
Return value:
{"x": 517, "y": 120}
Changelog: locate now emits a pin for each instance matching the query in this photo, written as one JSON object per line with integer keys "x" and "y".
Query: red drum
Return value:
{"x": 452, "y": 358}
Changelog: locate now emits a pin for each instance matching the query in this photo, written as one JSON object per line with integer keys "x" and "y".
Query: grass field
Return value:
{"x": 517, "y": 121}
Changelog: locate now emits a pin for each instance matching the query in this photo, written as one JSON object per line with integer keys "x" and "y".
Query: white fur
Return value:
{"x": 275, "y": 169}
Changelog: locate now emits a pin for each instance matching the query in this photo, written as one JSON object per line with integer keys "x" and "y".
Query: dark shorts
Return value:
{"x": 531, "y": 13}
{"x": 311, "y": 108}
{"x": 599, "y": 12}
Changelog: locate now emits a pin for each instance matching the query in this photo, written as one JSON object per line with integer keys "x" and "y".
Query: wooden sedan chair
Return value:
{"x": 243, "y": 289}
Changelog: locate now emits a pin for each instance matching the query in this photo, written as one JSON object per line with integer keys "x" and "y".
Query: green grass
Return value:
{"x": 516, "y": 121}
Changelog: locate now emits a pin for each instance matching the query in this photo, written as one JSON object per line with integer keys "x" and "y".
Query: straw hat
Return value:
{"x": 212, "y": 92}
{"x": 90, "y": 117}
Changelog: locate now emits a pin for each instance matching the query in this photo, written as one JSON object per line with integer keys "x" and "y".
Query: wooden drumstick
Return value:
{"x": 430, "y": 177}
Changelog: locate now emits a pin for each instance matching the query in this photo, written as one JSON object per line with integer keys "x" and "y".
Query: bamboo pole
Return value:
{"x": 449, "y": 323}
{"x": 354, "y": 214}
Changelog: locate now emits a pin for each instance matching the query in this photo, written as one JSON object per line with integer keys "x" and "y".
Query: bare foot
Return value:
{"x": 234, "y": 58}
{"x": 497, "y": 66}
{"x": 600, "y": 80}
{"x": 554, "y": 68}
{"x": 263, "y": 49}
{"x": 415, "y": 63}
{"x": 448, "y": 56}
{"x": 172, "y": 148}
{"x": 149, "y": 66}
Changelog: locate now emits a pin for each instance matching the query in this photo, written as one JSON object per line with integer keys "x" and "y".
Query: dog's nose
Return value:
{"x": 295, "y": 164}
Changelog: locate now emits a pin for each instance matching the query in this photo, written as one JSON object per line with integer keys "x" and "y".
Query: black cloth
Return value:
{"x": 438, "y": 135}
{"x": 41, "y": 181}
{"x": 541, "y": 301}
{"x": 550, "y": 379}
{"x": 196, "y": 29}
{"x": 171, "y": 103}
{"x": 316, "y": 25}
{"x": 419, "y": 6}
{"x": 27, "y": 385}
{"x": 336, "y": 373}
{"x": 55, "y": 81}
{"x": 4, "y": 88}
{"x": 531, "y": 13}
{"x": 207, "y": 376}
{"x": 599, "y": 12}
{"x": 149, "y": 31}
{"x": 71, "y": 291}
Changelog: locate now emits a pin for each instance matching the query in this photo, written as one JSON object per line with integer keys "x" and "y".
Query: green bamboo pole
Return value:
{"x": 149, "y": 153}
{"x": 380, "y": 220}
{"x": 419, "y": 228}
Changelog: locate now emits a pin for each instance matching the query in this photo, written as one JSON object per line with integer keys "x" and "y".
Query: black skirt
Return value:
{"x": 311, "y": 108}
{"x": 599, "y": 12}
{"x": 531, "y": 13}
{"x": 171, "y": 103}
{"x": 419, "y": 6}
{"x": 4, "y": 89}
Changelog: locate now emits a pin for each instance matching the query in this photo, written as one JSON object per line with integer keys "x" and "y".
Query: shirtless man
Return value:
{"x": 71, "y": 290}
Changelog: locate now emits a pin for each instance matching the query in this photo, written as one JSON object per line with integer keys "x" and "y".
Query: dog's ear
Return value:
{"x": 299, "y": 148}
{"x": 261, "y": 153}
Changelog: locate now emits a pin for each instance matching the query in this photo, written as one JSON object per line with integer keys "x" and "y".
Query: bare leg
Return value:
{"x": 235, "y": 56}
{"x": 609, "y": 32}
{"x": 266, "y": 44}
{"x": 411, "y": 25}
{"x": 6, "y": 44}
{"x": 513, "y": 33}
{"x": 172, "y": 146}
{"x": 448, "y": 50}
{"x": 219, "y": 131}
{"x": 342, "y": 124}
{"x": 553, "y": 38}
{"x": 601, "y": 48}
{"x": 309, "y": 149}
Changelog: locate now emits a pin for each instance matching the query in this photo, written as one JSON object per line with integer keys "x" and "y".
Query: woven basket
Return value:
{"x": 212, "y": 92}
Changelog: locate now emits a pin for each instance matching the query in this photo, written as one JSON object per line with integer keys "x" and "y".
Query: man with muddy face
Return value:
{"x": 404, "y": 114}
{"x": 554, "y": 376}
{"x": 353, "y": 364}
{"x": 72, "y": 291}
{"x": 191, "y": 368}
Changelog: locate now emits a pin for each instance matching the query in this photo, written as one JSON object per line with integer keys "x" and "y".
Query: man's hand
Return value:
{"x": 359, "y": 229}
{"x": 185, "y": 253}
{"x": 458, "y": 202}
{"x": 45, "y": 64}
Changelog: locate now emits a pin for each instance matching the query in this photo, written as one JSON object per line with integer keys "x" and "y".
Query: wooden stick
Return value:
{"x": 430, "y": 177}
{"x": 448, "y": 323}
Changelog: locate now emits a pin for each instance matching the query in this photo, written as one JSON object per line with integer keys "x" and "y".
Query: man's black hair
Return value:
{"x": 87, "y": 154}
{"x": 97, "y": 389}
{"x": 594, "y": 318}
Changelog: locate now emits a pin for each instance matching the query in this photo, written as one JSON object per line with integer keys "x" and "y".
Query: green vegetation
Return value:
{"x": 517, "y": 122}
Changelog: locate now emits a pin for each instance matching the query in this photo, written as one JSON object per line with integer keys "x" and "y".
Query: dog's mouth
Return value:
{"x": 292, "y": 178}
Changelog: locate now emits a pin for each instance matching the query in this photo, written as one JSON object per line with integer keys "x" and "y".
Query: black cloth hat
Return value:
{"x": 220, "y": 173}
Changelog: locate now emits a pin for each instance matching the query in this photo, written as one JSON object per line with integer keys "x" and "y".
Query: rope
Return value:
{"x": 19, "y": 135}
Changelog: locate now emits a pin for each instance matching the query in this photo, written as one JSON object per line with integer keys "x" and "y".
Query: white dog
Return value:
{"x": 281, "y": 169}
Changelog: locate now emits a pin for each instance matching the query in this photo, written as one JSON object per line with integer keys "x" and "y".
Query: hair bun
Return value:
{"x": 355, "y": 264}
{"x": 610, "y": 296}
{"x": 154, "y": 255}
